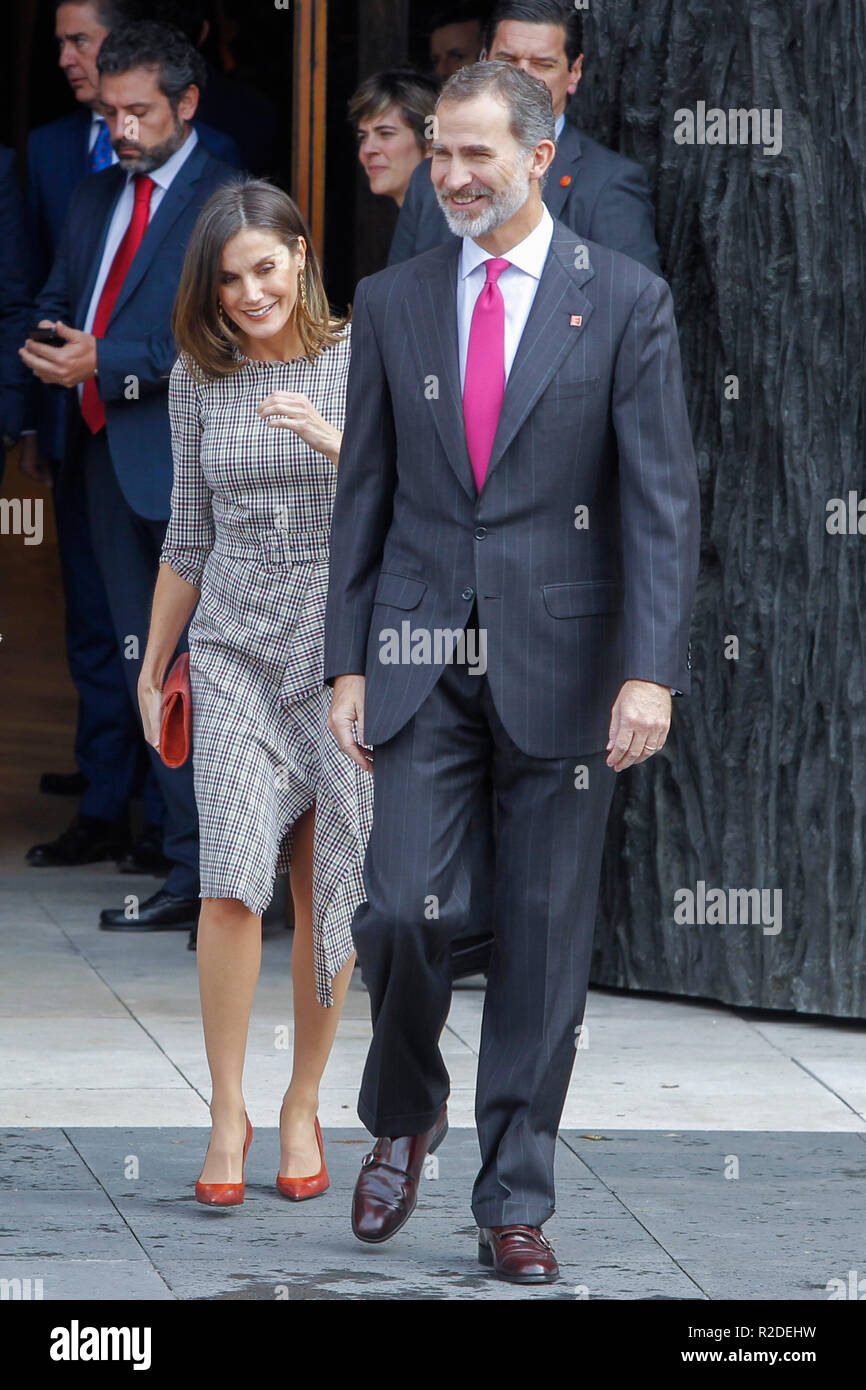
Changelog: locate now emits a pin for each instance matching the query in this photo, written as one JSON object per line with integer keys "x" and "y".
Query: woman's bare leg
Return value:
{"x": 314, "y": 1026}
{"x": 229, "y": 955}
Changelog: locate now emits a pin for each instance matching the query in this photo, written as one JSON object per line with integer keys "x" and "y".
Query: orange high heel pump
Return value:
{"x": 225, "y": 1194}
{"x": 299, "y": 1189}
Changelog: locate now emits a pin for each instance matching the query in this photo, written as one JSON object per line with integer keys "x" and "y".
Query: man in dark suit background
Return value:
{"x": 110, "y": 293}
{"x": 598, "y": 193}
{"x": 514, "y": 553}
{"x": 15, "y": 306}
{"x": 109, "y": 748}
{"x": 247, "y": 115}
{"x": 456, "y": 37}
{"x": 62, "y": 152}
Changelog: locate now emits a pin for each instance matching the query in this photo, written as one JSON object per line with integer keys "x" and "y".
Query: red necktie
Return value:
{"x": 484, "y": 381}
{"x": 91, "y": 402}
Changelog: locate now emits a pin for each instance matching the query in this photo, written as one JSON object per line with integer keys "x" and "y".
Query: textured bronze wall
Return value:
{"x": 763, "y": 781}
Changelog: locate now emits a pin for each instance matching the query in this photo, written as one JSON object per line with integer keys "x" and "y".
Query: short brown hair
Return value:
{"x": 414, "y": 92}
{"x": 201, "y": 334}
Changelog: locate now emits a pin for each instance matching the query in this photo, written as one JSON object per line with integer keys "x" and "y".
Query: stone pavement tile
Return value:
{"x": 78, "y": 1053}
{"x": 835, "y": 1055}
{"x": 616, "y": 1259}
{"x": 67, "y": 1223}
{"x": 639, "y": 1216}
{"x": 55, "y": 991}
{"x": 692, "y": 1221}
{"x": 341, "y": 1275}
{"x": 432, "y": 1257}
{"x": 797, "y": 1277}
{"x": 39, "y": 1158}
{"x": 779, "y": 1155}
{"x": 103, "y": 1106}
{"x": 90, "y": 1280}
{"x": 686, "y": 1075}
{"x": 792, "y": 1219}
{"x": 160, "y": 1205}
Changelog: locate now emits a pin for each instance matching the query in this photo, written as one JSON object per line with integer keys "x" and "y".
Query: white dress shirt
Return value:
{"x": 518, "y": 283}
{"x": 120, "y": 218}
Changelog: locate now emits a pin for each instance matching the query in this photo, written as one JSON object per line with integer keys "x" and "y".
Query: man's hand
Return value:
{"x": 31, "y": 462}
{"x": 61, "y": 366}
{"x": 347, "y": 709}
{"x": 639, "y": 723}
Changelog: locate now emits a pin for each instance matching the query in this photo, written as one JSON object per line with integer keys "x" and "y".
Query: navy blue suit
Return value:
{"x": 596, "y": 192}
{"x": 57, "y": 161}
{"x": 126, "y": 469}
{"x": 15, "y": 303}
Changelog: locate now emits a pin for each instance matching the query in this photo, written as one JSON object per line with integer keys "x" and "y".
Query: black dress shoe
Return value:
{"x": 163, "y": 912}
{"x": 470, "y": 955}
{"x": 86, "y": 841}
{"x": 146, "y": 856}
{"x": 386, "y": 1191}
{"x": 64, "y": 783}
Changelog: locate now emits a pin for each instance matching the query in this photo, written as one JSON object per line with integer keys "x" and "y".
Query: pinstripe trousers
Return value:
{"x": 433, "y": 867}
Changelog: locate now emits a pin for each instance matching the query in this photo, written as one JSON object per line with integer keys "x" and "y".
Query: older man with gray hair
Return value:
{"x": 517, "y": 463}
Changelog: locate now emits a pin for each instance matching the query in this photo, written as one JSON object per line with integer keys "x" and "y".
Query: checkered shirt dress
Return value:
{"x": 250, "y": 517}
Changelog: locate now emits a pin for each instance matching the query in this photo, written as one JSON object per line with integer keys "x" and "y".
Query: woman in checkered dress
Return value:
{"x": 257, "y": 406}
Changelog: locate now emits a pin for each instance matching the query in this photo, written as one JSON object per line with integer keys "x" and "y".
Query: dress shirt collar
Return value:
{"x": 560, "y": 124}
{"x": 164, "y": 175}
{"x": 96, "y": 124}
{"x": 528, "y": 255}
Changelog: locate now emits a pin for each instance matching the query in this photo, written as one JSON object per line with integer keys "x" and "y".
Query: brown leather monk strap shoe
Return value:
{"x": 387, "y": 1187}
{"x": 519, "y": 1254}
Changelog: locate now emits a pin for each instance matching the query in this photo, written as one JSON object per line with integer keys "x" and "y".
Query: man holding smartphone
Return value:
{"x": 115, "y": 276}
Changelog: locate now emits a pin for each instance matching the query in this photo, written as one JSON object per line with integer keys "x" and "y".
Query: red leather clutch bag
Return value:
{"x": 175, "y": 730}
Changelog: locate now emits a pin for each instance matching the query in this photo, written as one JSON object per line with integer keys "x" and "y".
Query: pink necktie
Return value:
{"x": 484, "y": 382}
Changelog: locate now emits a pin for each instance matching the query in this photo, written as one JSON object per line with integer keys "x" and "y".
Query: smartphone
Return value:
{"x": 47, "y": 335}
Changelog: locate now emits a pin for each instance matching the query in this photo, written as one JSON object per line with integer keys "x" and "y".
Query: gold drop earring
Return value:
{"x": 302, "y": 289}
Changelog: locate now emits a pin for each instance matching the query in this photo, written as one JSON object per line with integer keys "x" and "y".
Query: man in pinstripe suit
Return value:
{"x": 514, "y": 556}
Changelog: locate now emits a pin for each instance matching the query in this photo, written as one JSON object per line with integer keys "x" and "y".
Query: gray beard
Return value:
{"x": 500, "y": 207}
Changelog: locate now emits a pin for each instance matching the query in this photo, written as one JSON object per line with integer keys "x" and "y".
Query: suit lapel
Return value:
{"x": 548, "y": 338}
{"x": 78, "y": 161}
{"x": 108, "y": 185}
{"x": 431, "y": 325}
{"x": 173, "y": 202}
{"x": 564, "y": 166}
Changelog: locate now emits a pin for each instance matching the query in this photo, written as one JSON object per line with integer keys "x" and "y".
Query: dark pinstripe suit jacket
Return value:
{"x": 573, "y": 602}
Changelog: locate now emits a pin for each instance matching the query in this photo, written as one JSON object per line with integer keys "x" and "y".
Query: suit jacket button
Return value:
{"x": 480, "y": 532}
{"x": 468, "y": 593}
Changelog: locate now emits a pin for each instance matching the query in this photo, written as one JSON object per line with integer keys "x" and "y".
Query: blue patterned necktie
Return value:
{"x": 100, "y": 155}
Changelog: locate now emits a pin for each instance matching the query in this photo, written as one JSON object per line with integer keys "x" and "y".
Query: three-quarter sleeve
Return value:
{"x": 190, "y": 534}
